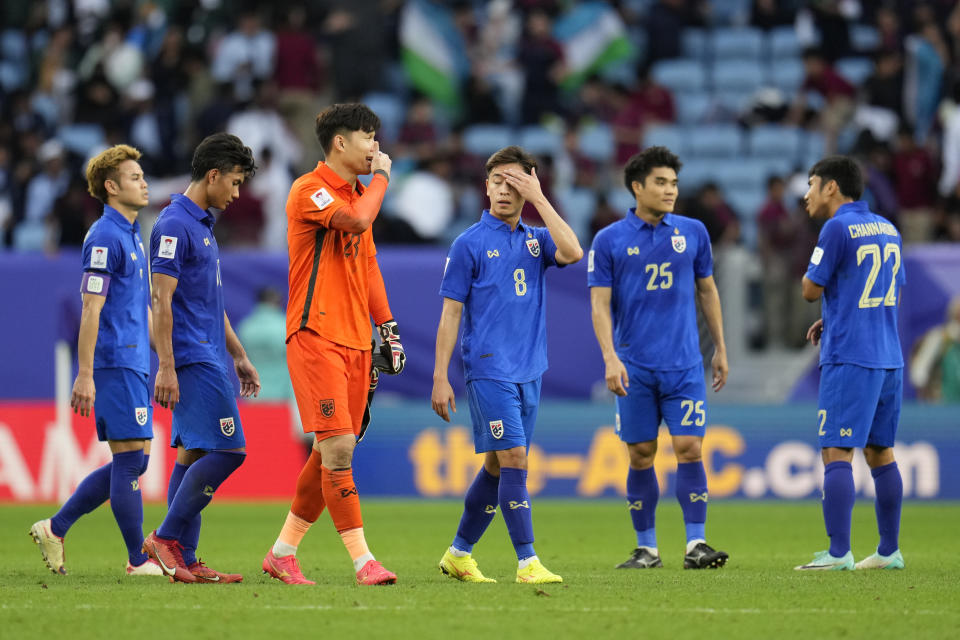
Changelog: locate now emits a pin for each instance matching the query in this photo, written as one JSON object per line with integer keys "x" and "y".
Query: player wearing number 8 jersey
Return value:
{"x": 494, "y": 278}
{"x": 646, "y": 273}
{"x": 857, "y": 271}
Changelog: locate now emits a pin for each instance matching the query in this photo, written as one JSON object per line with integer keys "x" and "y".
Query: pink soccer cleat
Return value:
{"x": 206, "y": 575}
{"x": 286, "y": 569}
{"x": 374, "y": 573}
{"x": 169, "y": 555}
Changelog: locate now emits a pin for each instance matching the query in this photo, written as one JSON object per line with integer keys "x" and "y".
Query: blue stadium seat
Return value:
{"x": 812, "y": 148}
{"x": 82, "y": 139}
{"x": 578, "y": 205}
{"x": 620, "y": 199}
{"x": 786, "y": 74}
{"x": 737, "y": 43}
{"x": 680, "y": 75}
{"x": 540, "y": 141}
{"x": 694, "y": 43}
{"x": 864, "y": 38}
{"x": 855, "y": 70}
{"x": 666, "y": 136}
{"x": 484, "y": 139}
{"x": 782, "y": 42}
{"x": 730, "y": 11}
{"x": 737, "y": 74}
{"x": 693, "y": 107}
{"x": 734, "y": 102}
{"x": 773, "y": 141}
{"x": 391, "y": 111}
{"x": 742, "y": 174}
{"x": 695, "y": 173}
{"x": 715, "y": 141}
{"x": 596, "y": 142}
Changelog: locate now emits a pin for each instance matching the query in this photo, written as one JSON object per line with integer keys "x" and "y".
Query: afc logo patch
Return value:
{"x": 534, "y": 246}
{"x": 141, "y": 413}
{"x": 327, "y": 408}
{"x": 322, "y": 199}
{"x": 227, "y": 427}
{"x": 496, "y": 428}
{"x": 679, "y": 243}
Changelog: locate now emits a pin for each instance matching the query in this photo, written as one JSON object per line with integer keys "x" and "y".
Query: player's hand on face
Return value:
{"x": 617, "y": 379}
{"x": 527, "y": 185}
{"x": 815, "y": 331}
{"x": 381, "y": 161}
{"x": 84, "y": 393}
{"x": 720, "y": 369}
{"x": 443, "y": 400}
{"x": 248, "y": 376}
{"x": 166, "y": 389}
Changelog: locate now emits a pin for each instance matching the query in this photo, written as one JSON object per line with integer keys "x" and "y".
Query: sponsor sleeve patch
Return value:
{"x": 322, "y": 199}
{"x": 168, "y": 247}
{"x": 95, "y": 283}
{"x": 817, "y": 256}
{"x": 98, "y": 257}
{"x": 590, "y": 261}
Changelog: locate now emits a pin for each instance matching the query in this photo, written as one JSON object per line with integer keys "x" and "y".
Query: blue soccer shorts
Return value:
{"x": 503, "y": 413}
{"x": 206, "y": 417}
{"x": 858, "y": 406}
{"x": 122, "y": 405}
{"x": 678, "y": 398}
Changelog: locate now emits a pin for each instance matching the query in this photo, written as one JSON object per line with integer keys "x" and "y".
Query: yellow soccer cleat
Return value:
{"x": 536, "y": 573}
{"x": 464, "y": 568}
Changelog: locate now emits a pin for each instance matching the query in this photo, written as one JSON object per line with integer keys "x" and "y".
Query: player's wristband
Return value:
{"x": 382, "y": 173}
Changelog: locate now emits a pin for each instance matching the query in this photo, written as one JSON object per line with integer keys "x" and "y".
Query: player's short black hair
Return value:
{"x": 641, "y": 164}
{"x": 338, "y": 119}
{"x": 511, "y": 155}
{"x": 842, "y": 170}
{"x": 221, "y": 151}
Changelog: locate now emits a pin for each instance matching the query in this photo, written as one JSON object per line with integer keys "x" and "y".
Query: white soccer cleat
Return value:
{"x": 877, "y": 561}
{"x": 823, "y": 561}
{"x": 148, "y": 568}
{"x": 51, "y": 546}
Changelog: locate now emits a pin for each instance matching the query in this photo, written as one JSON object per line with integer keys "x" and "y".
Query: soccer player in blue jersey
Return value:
{"x": 646, "y": 274}
{"x": 856, "y": 271}
{"x": 494, "y": 279}
{"x": 113, "y": 350}
{"x": 193, "y": 338}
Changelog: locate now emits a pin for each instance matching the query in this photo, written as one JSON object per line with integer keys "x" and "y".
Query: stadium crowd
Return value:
{"x": 749, "y": 93}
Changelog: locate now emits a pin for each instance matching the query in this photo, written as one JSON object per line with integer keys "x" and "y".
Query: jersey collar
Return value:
{"x": 330, "y": 176}
{"x": 119, "y": 219}
{"x": 191, "y": 207}
{"x": 634, "y": 220}
{"x": 494, "y": 222}
{"x": 860, "y": 206}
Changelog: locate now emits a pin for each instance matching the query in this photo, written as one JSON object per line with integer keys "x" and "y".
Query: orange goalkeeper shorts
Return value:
{"x": 330, "y": 382}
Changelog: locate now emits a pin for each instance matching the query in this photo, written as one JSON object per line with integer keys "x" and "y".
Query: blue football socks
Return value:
{"x": 126, "y": 501}
{"x": 190, "y": 537}
{"x": 889, "y": 487}
{"x": 146, "y": 463}
{"x": 692, "y": 495}
{"x": 643, "y": 492}
{"x": 515, "y": 505}
{"x": 479, "y": 508}
{"x": 92, "y": 492}
{"x": 199, "y": 483}
{"x": 838, "y": 497}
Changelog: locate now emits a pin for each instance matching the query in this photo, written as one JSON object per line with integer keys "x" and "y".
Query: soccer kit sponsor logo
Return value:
{"x": 698, "y": 497}
{"x": 490, "y": 254}
{"x": 168, "y": 247}
{"x": 513, "y": 504}
{"x": 490, "y": 508}
{"x": 227, "y": 427}
{"x": 590, "y": 261}
{"x": 817, "y": 256}
{"x": 98, "y": 257}
{"x": 322, "y": 199}
{"x": 533, "y": 245}
{"x": 679, "y": 243}
{"x": 352, "y": 491}
{"x": 846, "y": 433}
{"x": 633, "y": 251}
{"x": 616, "y": 426}
{"x": 206, "y": 242}
{"x": 496, "y": 428}
{"x": 141, "y": 414}
{"x": 327, "y": 408}
{"x": 208, "y": 491}
{"x": 636, "y": 505}
{"x": 134, "y": 485}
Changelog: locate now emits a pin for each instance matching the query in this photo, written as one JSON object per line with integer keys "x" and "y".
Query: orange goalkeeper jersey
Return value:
{"x": 330, "y": 270}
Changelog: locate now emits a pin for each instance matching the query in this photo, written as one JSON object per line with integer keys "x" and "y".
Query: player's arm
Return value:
{"x": 357, "y": 217}
{"x": 390, "y": 358}
{"x": 166, "y": 389}
{"x": 811, "y": 290}
{"x": 442, "y": 397}
{"x": 84, "y": 391}
{"x": 616, "y": 373}
{"x": 710, "y": 304}
{"x": 528, "y": 186}
{"x": 246, "y": 372}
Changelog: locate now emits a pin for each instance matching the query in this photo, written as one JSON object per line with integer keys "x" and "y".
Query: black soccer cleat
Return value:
{"x": 703, "y": 556}
{"x": 641, "y": 559}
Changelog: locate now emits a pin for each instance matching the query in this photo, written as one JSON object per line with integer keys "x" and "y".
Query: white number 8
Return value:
{"x": 520, "y": 282}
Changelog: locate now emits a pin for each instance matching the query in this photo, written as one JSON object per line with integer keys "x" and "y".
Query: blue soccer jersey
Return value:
{"x": 182, "y": 246}
{"x": 652, "y": 274}
{"x": 857, "y": 262}
{"x": 114, "y": 263}
{"x": 498, "y": 275}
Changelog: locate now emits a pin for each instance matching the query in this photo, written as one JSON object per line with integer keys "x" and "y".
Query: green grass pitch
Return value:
{"x": 757, "y": 595}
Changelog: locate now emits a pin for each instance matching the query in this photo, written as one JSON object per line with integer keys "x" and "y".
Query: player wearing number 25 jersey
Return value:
{"x": 857, "y": 271}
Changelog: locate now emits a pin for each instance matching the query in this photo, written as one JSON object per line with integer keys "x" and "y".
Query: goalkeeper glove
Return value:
{"x": 390, "y": 358}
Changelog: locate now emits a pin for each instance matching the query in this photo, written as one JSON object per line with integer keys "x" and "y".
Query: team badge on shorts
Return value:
{"x": 327, "y": 408}
{"x": 226, "y": 426}
{"x": 534, "y": 246}
{"x": 141, "y": 413}
{"x": 679, "y": 243}
{"x": 496, "y": 428}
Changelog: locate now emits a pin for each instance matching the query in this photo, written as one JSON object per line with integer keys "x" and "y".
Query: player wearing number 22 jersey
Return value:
{"x": 857, "y": 271}
{"x": 646, "y": 273}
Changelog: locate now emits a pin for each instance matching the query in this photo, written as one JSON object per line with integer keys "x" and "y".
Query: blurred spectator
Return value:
{"x": 264, "y": 336}
{"x": 927, "y": 58}
{"x": 884, "y": 87}
{"x": 425, "y": 199}
{"x": 260, "y": 125}
{"x": 356, "y": 31}
{"x": 665, "y": 22}
{"x": 836, "y": 92}
{"x": 718, "y": 217}
{"x": 34, "y": 231}
{"x": 776, "y": 235}
{"x": 270, "y": 185}
{"x": 950, "y": 159}
{"x": 604, "y": 215}
{"x": 935, "y": 364}
{"x": 888, "y": 24}
{"x": 480, "y": 101}
{"x": 245, "y": 55}
{"x": 833, "y": 18}
{"x": 767, "y": 14}
{"x": 879, "y": 191}
{"x": 915, "y": 177}
{"x": 541, "y": 58}
{"x": 654, "y": 102}
{"x": 73, "y": 213}
{"x": 241, "y": 224}
{"x": 418, "y": 135}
